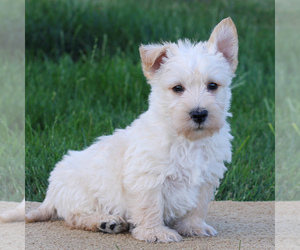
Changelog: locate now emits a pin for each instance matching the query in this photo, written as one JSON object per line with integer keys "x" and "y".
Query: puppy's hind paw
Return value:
{"x": 112, "y": 224}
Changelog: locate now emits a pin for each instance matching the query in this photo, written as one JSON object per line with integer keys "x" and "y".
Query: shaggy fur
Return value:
{"x": 16, "y": 214}
{"x": 157, "y": 176}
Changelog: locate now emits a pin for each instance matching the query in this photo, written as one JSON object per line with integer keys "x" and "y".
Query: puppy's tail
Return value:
{"x": 17, "y": 214}
{"x": 43, "y": 213}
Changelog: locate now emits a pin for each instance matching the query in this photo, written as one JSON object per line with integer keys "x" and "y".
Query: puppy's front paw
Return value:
{"x": 199, "y": 230}
{"x": 157, "y": 234}
{"x": 113, "y": 224}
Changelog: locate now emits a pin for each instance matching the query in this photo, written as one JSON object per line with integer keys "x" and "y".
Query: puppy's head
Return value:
{"x": 190, "y": 82}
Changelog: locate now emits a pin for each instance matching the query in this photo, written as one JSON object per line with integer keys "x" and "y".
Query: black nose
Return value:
{"x": 199, "y": 116}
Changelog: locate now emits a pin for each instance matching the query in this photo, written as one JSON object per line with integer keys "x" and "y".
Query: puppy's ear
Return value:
{"x": 224, "y": 39}
{"x": 152, "y": 56}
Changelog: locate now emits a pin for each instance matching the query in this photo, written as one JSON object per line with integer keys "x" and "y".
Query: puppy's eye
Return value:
{"x": 212, "y": 86}
{"x": 178, "y": 89}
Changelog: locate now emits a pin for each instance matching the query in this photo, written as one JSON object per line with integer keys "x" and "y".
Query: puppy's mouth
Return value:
{"x": 199, "y": 127}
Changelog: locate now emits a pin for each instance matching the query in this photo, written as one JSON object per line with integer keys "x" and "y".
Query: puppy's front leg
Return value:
{"x": 146, "y": 209}
{"x": 193, "y": 223}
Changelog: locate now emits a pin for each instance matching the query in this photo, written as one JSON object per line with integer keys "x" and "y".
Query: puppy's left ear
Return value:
{"x": 224, "y": 39}
{"x": 152, "y": 56}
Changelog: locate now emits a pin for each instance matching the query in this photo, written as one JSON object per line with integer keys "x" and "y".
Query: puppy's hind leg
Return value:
{"x": 97, "y": 222}
{"x": 43, "y": 213}
{"x": 17, "y": 214}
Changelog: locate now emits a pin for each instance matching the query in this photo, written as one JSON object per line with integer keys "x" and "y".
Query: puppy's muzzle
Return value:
{"x": 199, "y": 116}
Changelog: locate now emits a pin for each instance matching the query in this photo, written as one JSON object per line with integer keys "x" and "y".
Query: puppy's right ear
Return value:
{"x": 153, "y": 57}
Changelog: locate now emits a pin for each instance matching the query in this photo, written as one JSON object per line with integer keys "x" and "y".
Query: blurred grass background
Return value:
{"x": 287, "y": 101}
{"x": 84, "y": 79}
{"x": 12, "y": 99}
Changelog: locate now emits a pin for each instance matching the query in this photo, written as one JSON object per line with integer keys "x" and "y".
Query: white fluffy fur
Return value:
{"x": 16, "y": 214}
{"x": 160, "y": 173}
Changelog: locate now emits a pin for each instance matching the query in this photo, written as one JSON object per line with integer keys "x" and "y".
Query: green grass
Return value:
{"x": 12, "y": 169}
{"x": 12, "y": 99}
{"x": 83, "y": 80}
{"x": 287, "y": 102}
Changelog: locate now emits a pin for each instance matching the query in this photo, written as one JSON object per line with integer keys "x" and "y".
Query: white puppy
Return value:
{"x": 159, "y": 174}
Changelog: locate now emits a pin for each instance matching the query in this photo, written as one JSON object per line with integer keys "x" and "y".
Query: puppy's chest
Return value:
{"x": 181, "y": 187}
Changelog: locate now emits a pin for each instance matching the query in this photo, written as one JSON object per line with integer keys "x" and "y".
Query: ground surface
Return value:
{"x": 12, "y": 235}
{"x": 250, "y": 224}
{"x": 241, "y": 225}
{"x": 287, "y": 221}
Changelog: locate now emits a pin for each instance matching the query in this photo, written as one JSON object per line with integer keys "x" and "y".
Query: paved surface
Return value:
{"x": 287, "y": 221}
{"x": 244, "y": 225}
{"x": 248, "y": 225}
{"x": 12, "y": 235}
